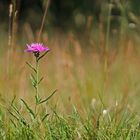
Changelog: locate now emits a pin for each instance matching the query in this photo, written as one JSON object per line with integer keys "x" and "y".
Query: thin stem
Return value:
{"x": 37, "y": 88}
{"x": 107, "y": 38}
{"x": 37, "y": 80}
{"x": 10, "y": 24}
{"x": 107, "y": 45}
{"x": 43, "y": 20}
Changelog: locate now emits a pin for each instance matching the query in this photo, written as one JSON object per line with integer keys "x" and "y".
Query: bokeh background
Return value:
{"x": 94, "y": 50}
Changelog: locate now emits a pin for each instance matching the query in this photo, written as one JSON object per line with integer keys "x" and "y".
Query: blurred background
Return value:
{"x": 94, "y": 43}
{"x": 80, "y": 17}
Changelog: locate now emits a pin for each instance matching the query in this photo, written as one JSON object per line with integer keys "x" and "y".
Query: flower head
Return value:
{"x": 36, "y": 48}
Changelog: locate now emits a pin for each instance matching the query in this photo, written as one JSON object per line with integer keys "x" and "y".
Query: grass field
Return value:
{"x": 90, "y": 88}
{"x": 93, "y": 101}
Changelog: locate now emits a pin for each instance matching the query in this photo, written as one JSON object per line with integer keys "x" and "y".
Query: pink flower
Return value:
{"x": 36, "y": 48}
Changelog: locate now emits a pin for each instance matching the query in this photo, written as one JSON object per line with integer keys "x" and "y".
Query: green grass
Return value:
{"x": 76, "y": 110}
{"x": 97, "y": 94}
{"x": 114, "y": 125}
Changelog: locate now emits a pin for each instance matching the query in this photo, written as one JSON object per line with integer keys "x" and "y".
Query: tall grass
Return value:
{"x": 87, "y": 106}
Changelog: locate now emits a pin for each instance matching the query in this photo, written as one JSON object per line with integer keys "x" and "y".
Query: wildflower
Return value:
{"x": 36, "y": 48}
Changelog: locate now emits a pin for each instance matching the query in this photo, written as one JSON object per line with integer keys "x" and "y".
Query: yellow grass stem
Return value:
{"x": 106, "y": 51}
{"x": 43, "y": 20}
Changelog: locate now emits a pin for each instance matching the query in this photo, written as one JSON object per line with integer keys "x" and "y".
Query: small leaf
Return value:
{"x": 34, "y": 84}
{"x": 13, "y": 123}
{"x": 45, "y": 100}
{"x": 45, "y": 116}
{"x": 13, "y": 115}
{"x": 28, "y": 108}
{"x": 38, "y": 99}
{"x": 32, "y": 77}
{"x": 40, "y": 80}
{"x": 13, "y": 100}
{"x": 42, "y": 55}
{"x": 30, "y": 65}
{"x": 15, "y": 109}
{"x": 33, "y": 80}
{"x": 21, "y": 119}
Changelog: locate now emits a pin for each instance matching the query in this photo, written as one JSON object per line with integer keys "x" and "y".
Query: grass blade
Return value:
{"x": 45, "y": 116}
{"x": 42, "y": 55}
{"x": 28, "y": 108}
{"x": 40, "y": 80}
{"x": 30, "y": 65}
{"x": 45, "y": 100}
{"x": 13, "y": 115}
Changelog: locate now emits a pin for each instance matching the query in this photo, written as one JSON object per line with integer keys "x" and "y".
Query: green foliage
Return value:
{"x": 54, "y": 127}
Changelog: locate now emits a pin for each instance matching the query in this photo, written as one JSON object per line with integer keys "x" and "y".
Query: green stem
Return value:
{"x": 37, "y": 80}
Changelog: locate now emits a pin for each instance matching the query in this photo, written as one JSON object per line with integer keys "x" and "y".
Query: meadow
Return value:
{"x": 89, "y": 91}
